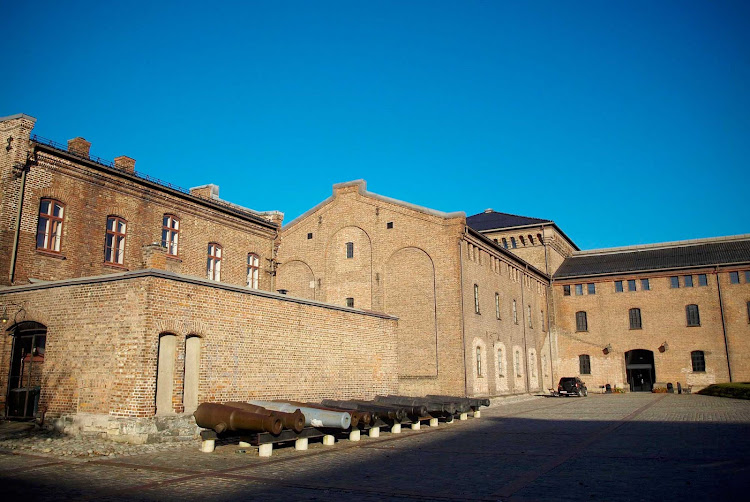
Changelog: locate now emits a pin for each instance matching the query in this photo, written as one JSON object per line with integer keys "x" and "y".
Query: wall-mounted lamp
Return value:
{"x": 606, "y": 350}
{"x": 664, "y": 347}
{"x": 6, "y": 316}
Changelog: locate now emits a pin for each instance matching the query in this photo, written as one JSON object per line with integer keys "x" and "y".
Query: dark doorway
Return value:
{"x": 26, "y": 364}
{"x": 639, "y": 366}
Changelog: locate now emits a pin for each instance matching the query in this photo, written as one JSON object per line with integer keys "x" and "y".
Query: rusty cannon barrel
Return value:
{"x": 223, "y": 418}
{"x": 474, "y": 402}
{"x": 313, "y": 416}
{"x": 294, "y": 421}
{"x": 378, "y": 410}
{"x": 433, "y": 406}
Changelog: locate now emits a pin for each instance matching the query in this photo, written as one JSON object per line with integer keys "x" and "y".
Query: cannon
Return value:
{"x": 378, "y": 410}
{"x": 433, "y": 406}
{"x": 294, "y": 421}
{"x": 474, "y": 402}
{"x": 313, "y": 416}
{"x": 223, "y": 418}
{"x": 412, "y": 409}
{"x": 358, "y": 417}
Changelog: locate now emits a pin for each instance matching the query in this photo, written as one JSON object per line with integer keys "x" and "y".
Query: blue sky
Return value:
{"x": 624, "y": 122}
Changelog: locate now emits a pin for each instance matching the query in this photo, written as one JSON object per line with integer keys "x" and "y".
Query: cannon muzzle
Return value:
{"x": 226, "y": 418}
{"x": 294, "y": 421}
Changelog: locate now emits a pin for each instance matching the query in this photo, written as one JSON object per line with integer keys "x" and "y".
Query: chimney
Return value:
{"x": 125, "y": 163}
{"x": 79, "y": 146}
{"x": 206, "y": 191}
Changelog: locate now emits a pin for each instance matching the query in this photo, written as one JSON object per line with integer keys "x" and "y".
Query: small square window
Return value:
{"x": 309, "y": 236}
{"x": 592, "y": 288}
{"x": 747, "y": 276}
{"x": 566, "y": 290}
{"x": 350, "y": 302}
{"x": 674, "y": 282}
{"x": 389, "y": 225}
{"x": 702, "y": 280}
{"x": 579, "y": 289}
{"x": 645, "y": 285}
{"x": 631, "y": 284}
{"x": 734, "y": 277}
{"x": 618, "y": 286}
{"x": 688, "y": 279}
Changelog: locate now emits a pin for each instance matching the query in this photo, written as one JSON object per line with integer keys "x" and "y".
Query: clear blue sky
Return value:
{"x": 624, "y": 122}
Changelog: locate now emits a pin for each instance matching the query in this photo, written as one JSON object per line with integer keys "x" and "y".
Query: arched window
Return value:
{"x": 584, "y": 364}
{"x": 523, "y": 241}
{"x": 165, "y": 374}
{"x": 497, "y": 305}
{"x": 699, "y": 360}
{"x": 114, "y": 242}
{"x": 539, "y": 237}
{"x": 505, "y": 243}
{"x": 476, "y": 298}
{"x": 515, "y": 313}
{"x": 531, "y": 239}
{"x": 213, "y": 265}
{"x": 479, "y": 361}
{"x": 513, "y": 242}
{"x": 50, "y": 226}
{"x": 192, "y": 373}
{"x": 500, "y": 368}
{"x": 693, "y": 317}
{"x": 635, "y": 318}
{"x": 253, "y": 270}
{"x": 582, "y": 323}
{"x": 170, "y": 233}
{"x": 517, "y": 363}
{"x": 528, "y": 314}
{"x": 532, "y": 363}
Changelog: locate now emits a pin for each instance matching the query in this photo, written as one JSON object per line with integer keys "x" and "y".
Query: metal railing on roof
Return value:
{"x": 111, "y": 165}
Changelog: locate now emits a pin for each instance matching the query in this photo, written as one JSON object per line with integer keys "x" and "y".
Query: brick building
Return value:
{"x": 127, "y": 301}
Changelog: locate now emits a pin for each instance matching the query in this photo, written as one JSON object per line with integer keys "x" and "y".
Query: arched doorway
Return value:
{"x": 639, "y": 366}
{"x": 26, "y": 364}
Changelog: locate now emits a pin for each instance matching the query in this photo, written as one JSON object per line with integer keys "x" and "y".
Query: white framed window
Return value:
{"x": 213, "y": 266}
{"x": 253, "y": 270}
{"x": 49, "y": 228}
{"x": 170, "y": 233}
{"x": 114, "y": 242}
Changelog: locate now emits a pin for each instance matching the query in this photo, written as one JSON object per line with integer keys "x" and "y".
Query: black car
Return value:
{"x": 571, "y": 386}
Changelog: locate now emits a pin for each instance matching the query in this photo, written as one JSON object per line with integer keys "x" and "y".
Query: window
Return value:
{"x": 114, "y": 242}
{"x": 592, "y": 288}
{"x": 517, "y": 363}
{"x": 584, "y": 364}
{"x": 523, "y": 241}
{"x": 581, "y": 321}
{"x": 505, "y": 243}
{"x": 350, "y": 250}
{"x": 497, "y": 305}
{"x": 541, "y": 319}
{"x": 674, "y": 282}
{"x": 389, "y": 225}
{"x": 513, "y": 242}
{"x": 748, "y": 311}
{"x": 479, "y": 361}
{"x": 693, "y": 317}
{"x": 528, "y": 314}
{"x": 635, "y": 319}
{"x": 350, "y": 302}
{"x": 170, "y": 233}
{"x": 631, "y": 284}
{"x": 253, "y": 270}
{"x": 702, "y": 280}
{"x": 539, "y": 238}
{"x": 579, "y": 289}
{"x": 213, "y": 267}
{"x": 699, "y": 360}
{"x": 688, "y": 279}
{"x": 531, "y": 239}
{"x": 49, "y": 228}
{"x": 747, "y": 276}
{"x": 309, "y": 235}
{"x": 734, "y": 277}
{"x": 618, "y": 286}
{"x": 566, "y": 290}
{"x": 515, "y": 313}
{"x": 645, "y": 285}
{"x": 500, "y": 362}
{"x": 532, "y": 364}
{"x": 476, "y": 298}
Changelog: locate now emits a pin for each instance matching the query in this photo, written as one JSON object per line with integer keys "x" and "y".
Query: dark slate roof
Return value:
{"x": 656, "y": 258}
{"x": 491, "y": 220}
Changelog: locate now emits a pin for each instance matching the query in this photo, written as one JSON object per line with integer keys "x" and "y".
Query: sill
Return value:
{"x": 116, "y": 265}
{"x": 635, "y": 329}
{"x": 582, "y": 331}
{"x": 477, "y": 313}
{"x": 175, "y": 258}
{"x": 693, "y": 326}
{"x": 699, "y": 371}
{"x": 51, "y": 254}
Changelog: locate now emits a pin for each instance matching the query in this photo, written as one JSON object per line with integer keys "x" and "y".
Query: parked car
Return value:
{"x": 572, "y": 386}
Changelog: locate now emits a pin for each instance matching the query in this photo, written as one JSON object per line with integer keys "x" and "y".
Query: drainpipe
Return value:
{"x": 463, "y": 315}
{"x": 723, "y": 323}
{"x": 19, "y": 213}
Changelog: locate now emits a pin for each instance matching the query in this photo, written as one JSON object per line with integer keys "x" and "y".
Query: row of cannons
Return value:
{"x": 265, "y": 423}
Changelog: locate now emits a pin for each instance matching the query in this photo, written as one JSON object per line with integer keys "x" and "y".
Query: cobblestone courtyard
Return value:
{"x": 612, "y": 447}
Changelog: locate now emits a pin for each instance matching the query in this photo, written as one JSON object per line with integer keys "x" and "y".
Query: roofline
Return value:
{"x": 362, "y": 190}
{"x": 503, "y": 251}
{"x": 18, "y": 116}
{"x": 544, "y": 224}
{"x": 649, "y": 270}
{"x": 236, "y": 210}
{"x": 164, "y": 274}
{"x": 662, "y": 245}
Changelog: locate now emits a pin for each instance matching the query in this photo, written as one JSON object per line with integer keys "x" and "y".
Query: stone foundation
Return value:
{"x": 129, "y": 430}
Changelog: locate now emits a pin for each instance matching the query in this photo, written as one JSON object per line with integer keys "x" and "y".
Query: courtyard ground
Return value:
{"x": 603, "y": 447}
